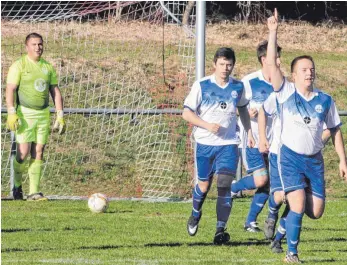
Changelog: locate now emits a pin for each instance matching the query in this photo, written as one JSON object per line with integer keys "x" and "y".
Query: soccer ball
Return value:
{"x": 98, "y": 203}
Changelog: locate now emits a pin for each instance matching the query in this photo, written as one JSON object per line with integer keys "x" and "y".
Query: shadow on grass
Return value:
{"x": 324, "y": 229}
{"x": 17, "y": 230}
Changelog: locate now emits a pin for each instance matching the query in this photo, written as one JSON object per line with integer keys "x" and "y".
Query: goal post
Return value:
{"x": 124, "y": 69}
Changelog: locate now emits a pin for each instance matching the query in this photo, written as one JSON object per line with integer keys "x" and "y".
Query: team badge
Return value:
{"x": 234, "y": 94}
{"x": 40, "y": 85}
{"x": 307, "y": 120}
{"x": 223, "y": 105}
{"x": 318, "y": 108}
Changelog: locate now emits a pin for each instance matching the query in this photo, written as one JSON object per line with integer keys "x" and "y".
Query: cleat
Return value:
{"x": 221, "y": 237}
{"x": 276, "y": 246}
{"x": 36, "y": 197}
{"x": 252, "y": 227}
{"x": 17, "y": 193}
{"x": 269, "y": 228}
{"x": 291, "y": 258}
{"x": 193, "y": 225}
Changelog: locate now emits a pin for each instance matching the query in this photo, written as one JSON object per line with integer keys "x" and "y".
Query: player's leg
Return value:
{"x": 19, "y": 167}
{"x": 204, "y": 163}
{"x": 296, "y": 200}
{"x": 226, "y": 166}
{"x": 24, "y": 136}
{"x": 276, "y": 244}
{"x": 315, "y": 192}
{"x": 256, "y": 162}
{"x": 292, "y": 174}
{"x": 275, "y": 198}
{"x": 37, "y": 148}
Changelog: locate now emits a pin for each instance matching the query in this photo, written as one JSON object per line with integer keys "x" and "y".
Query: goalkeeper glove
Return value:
{"x": 59, "y": 124}
{"x": 13, "y": 121}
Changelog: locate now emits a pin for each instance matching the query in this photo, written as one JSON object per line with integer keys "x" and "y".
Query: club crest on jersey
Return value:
{"x": 40, "y": 85}
{"x": 234, "y": 94}
{"x": 318, "y": 108}
{"x": 307, "y": 120}
{"x": 223, "y": 105}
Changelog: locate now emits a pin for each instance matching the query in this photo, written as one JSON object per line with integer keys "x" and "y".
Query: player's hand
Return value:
{"x": 213, "y": 128}
{"x": 60, "y": 125}
{"x": 343, "y": 169}
{"x": 250, "y": 140}
{"x": 253, "y": 113}
{"x": 272, "y": 22}
{"x": 13, "y": 121}
{"x": 263, "y": 146}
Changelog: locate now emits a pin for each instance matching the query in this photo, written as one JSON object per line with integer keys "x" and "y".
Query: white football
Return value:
{"x": 98, "y": 203}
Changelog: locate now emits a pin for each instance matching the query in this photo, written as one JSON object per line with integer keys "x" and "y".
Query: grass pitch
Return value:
{"x": 66, "y": 232}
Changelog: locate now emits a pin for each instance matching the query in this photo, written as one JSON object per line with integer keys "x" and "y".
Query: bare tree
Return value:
{"x": 187, "y": 12}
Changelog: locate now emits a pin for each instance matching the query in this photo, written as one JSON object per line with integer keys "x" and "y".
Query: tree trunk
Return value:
{"x": 187, "y": 12}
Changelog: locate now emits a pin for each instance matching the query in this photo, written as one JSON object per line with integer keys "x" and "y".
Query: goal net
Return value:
{"x": 124, "y": 69}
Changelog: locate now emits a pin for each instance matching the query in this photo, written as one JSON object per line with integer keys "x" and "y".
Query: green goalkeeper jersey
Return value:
{"x": 33, "y": 80}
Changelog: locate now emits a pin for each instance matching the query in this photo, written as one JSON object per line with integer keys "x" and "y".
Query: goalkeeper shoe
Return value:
{"x": 291, "y": 258}
{"x": 37, "y": 197}
{"x": 17, "y": 193}
{"x": 276, "y": 246}
{"x": 221, "y": 237}
{"x": 269, "y": 228}
{"x": 193, "y": 225}
{"x": 252, "y": 227}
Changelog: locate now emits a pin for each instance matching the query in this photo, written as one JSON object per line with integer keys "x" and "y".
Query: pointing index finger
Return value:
{"x": 275, "y": 14}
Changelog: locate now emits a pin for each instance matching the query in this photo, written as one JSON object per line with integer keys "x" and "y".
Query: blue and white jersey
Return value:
{"x": 215, "y": 104}
{"x": 271, "y": 108}
{"x": 303, "y": 119}
{"x": 257, "y": 90}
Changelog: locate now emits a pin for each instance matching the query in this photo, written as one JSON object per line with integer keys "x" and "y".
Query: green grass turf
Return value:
{"x": 66, "y": 232}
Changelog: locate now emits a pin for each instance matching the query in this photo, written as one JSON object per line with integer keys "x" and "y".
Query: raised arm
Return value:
{"x": 275, "y": 72}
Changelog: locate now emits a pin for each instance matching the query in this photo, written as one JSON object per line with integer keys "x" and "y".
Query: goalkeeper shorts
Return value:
{"x": 34, "y": 125}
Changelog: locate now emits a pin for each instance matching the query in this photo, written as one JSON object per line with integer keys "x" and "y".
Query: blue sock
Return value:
{"x": 224, "y": 204}
{"x": 293, "y": 228}
{"x": 258, "y": 202}
{"x": 246, "y": 183}
{"x": 281, "y": 230}
{"x": 198, "y": 200}
{"x": 273, "y": 208}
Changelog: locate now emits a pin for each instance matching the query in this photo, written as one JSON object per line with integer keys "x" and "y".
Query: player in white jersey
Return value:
{"x": 257, "y": 88}
{"x": 303, "y": 112}
{"x": 271, "y": 109}
{"x": 211, "y": 107}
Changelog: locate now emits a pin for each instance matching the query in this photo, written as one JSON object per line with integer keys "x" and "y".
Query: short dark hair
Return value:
{"x": 224, "y": 52}
{"x": 296, "y": 59}
{"x": 33, "y": 35}
{"x": 262, "y": 50}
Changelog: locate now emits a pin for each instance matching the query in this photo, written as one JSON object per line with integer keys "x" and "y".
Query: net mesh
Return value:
{"x": 124, "y": 69}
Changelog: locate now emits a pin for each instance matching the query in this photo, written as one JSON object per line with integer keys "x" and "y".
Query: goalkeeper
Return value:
{"x": 30, "y": 80}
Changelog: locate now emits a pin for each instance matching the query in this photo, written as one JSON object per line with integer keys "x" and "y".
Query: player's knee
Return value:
{"x": 279, "y": 196}
{"x": 260, "y": 178}
{"x": 203, "y": 186}
{"x": 224, "y": 181}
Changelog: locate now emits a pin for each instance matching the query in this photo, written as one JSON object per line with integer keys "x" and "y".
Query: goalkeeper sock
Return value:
{"x": 35, "y": 169}
{"x": 198, "y": 200}
{"x": 18, "y": 169}
{"x": 224, "y": 204}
